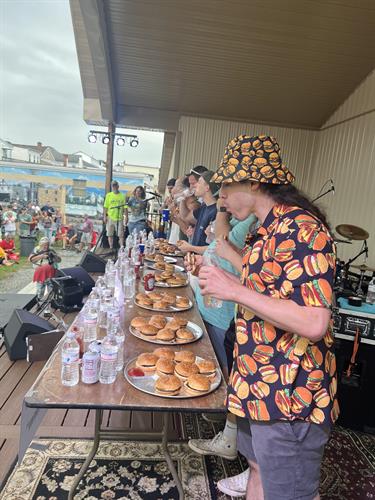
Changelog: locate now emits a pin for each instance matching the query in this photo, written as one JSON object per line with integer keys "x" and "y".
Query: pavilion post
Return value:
{"x": 109, "y": 163}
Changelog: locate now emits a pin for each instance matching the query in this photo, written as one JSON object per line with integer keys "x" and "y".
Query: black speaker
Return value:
{"x": 67, "y": 294}
{"x": 80, "y": 275}
{"x": 356, "y": 393}
{"x": 22, "y": 324}
{"x": 92, "y": 263}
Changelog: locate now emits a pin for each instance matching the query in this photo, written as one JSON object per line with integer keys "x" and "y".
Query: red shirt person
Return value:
{"x": 7, "y": 244}
{"x": 283, "y": 381}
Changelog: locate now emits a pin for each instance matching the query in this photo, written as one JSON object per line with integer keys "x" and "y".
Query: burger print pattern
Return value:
{"x": 278, "y": 375}
{"x": 253, "y": 158}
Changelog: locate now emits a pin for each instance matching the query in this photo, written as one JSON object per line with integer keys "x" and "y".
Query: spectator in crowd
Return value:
{"x": 48, "y": 208}
{"x": 114, "y": 204}
{"x": 87, "y": 229}
{"x": 135, "y": 212}
{"x": 200, "y": 217}
{"x": 25, "y": 221}
{"x": 168, "y": 201}
{"x": 9, "y": 221}
{"x": 8, "y": 245}
{"x": 4, "y": 261}
{"x": 46, "y": 222}
{"x": 34, "y": 211}
{"x": 70, "y": 238}
{"x": 45, "y": 261}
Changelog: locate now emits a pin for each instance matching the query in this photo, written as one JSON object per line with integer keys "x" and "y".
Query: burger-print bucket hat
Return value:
{"x": 253, "y": 158}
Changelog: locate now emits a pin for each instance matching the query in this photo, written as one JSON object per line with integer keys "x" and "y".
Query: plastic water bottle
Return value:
{"x": 108, "y": 360}
{"x": 70, "y": 361}
{"x": 210, "y": 259}
{"x": 370, "y": 297}
{"x": 90, "y": 322}
{"x": 120, "y": 339}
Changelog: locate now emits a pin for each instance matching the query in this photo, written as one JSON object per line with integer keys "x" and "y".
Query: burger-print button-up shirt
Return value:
{"x": 278, "y": 375}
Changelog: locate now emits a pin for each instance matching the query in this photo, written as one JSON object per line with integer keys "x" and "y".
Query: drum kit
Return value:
{"x": 348, "y": 282}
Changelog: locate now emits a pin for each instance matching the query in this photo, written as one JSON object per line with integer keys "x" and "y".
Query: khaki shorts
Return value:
{"x": 112, "y": 225}
{"x": 288, "y": 454}
{"x": 86, "y": 237}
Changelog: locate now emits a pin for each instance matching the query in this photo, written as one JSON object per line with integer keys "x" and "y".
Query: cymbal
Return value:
{"x": 352, "y": 232}
{"x": 363, "y": 267}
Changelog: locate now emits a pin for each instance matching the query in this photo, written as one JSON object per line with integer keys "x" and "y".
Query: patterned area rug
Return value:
{"x": 121, "y": 470}
{"x": 137, "y": 471}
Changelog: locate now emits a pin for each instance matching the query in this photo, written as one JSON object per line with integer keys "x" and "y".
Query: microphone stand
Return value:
{"x": 323, "y": 194}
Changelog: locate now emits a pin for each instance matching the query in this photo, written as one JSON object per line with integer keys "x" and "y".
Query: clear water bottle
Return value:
{"x": 370, "y": 297}
{"x": 90, "y": 322}
{"x": 210, "y": 259}
{"x": 120, "y": 339}
{"x": 70, "y": 361}
{"x": 108, "y": 359}
{"x": 129, "y": 284}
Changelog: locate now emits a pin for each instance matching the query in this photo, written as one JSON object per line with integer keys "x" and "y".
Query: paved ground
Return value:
{"x": 23, "y": 278}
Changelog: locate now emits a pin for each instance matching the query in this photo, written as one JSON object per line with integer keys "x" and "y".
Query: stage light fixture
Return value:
{"x": 92, "y": 138}
{"x": 120, "y": 141}
{"x": 134, "y": 143}
{"x": 106, "y": 139}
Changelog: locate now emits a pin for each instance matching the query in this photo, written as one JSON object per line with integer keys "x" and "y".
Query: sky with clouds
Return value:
{"x": 40, "y": 87}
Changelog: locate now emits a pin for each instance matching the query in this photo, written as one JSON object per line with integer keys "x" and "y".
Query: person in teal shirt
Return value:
{"x": 217, "y": 320}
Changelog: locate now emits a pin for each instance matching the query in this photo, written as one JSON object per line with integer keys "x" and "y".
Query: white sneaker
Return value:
{"x": 218, "y": 445}
{"x": 234, "y": 486}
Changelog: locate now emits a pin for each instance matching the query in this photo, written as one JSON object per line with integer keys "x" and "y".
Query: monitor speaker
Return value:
{"x": 80, "y": 275}
{"x": 21, "y": 325}
{"x": 92, "y": 263}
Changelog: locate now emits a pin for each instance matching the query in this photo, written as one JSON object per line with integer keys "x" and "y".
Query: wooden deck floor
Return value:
{"x": 16, "y": 377}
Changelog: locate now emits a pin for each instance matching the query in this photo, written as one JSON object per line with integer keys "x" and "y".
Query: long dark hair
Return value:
{"x": 143, "y": 192}
{"x": 287, "y": 194}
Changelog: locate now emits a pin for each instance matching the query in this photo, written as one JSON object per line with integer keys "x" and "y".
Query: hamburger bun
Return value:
{"x": 137, "y": 322}
{"x": 145, "y": 301}
{"x": 169, "y": 298}
{"x": 182, "y": 302}
{"x": 164, "y": 352}
{"x": 157, "y": 321}
{"x": 185, "y": 334}
{"x": 155, "y": 296}
{"x": 185, "y": 369}
{"x": 147, "y": 361}
{"x": 180, "y": 356}
{"x": 165, "y": 334}
{"x": 164, "y": 366}
{"x": 170, "y": 385}
{"x": 207, "y": 367}
{"x": 173, "y": 324}
{"x": 160, "y": 304}
{"x": 181, "y": 321}
{"x": 148, "y": 330}
{"x": 197, "y": 384}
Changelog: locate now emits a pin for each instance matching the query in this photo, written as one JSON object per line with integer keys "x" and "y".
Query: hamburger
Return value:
{"x": 169, "y": 385}
{"x": 155, "y": 296}
{"x": 181, "y": 356}
{"x": 147, "y": 361}
{"x": 182, "y": 301}
{"x": 184, "y": 334}
{"x": 164, "y": 366}
{"x": 173, "y": 324}
{"x": 185, "y": 369}
{"x": 197, "y": 384}
{"x": 137, "y": 322}
{"x": 157, "y": 321}
{"x": 148, "y": 330}
{"x": 169, "y": 298}
{"x": 165, "y": 334}
{"x": 207, "y": 368}
{"x": 164, "y": 352}
{"x": 160, "y": 304}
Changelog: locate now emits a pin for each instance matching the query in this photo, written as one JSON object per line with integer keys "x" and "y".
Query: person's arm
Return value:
{"x": 184, "y": 246}
{"x": 36, "y": 257}
{"x": 308, "y": 322}
{"x": 229, "y": 252}
{"x": 222, "y": 225}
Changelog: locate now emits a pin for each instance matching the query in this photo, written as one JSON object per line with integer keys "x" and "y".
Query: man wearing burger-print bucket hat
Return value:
{"x": 283, "y": 383}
